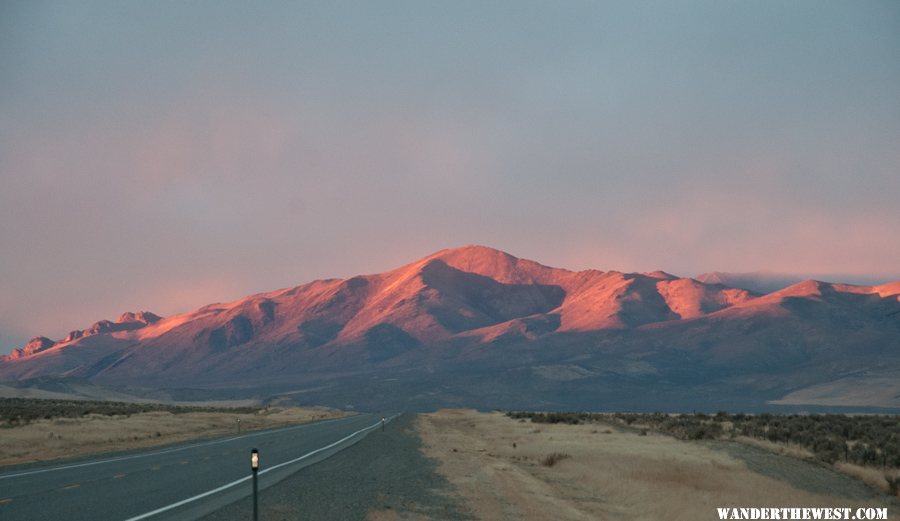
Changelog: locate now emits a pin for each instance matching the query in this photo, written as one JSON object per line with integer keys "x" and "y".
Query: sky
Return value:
{"x": 162, "y": 155}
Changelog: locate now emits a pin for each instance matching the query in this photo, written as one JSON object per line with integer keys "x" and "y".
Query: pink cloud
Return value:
{"x": 742, "y": 232}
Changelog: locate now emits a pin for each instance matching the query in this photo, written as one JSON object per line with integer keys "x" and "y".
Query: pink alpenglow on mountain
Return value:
{"x": 127, "y": 322}
{"x": 34, "y": 346}
{"x": 478, "y": 326}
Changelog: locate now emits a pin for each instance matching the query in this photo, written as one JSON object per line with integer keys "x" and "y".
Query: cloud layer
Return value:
{"x": 166, "y": 158}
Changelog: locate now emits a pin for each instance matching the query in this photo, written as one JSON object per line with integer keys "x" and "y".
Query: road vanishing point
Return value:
{"x": 178, "y": 482}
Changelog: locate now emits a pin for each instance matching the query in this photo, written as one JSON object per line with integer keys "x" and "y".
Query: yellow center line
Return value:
{"x": 119, "y": 476}
{"x": 70, "y": 487}
{"x": 183, "y": 462}
{"x": 5, "y": 500}
{"x": 154, "y": 468}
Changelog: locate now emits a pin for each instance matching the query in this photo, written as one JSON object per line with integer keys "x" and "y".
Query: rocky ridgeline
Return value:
{"x": 129, "y": 321}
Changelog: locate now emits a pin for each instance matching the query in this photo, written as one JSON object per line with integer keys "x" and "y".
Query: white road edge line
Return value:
{"x": 245, "y": 478}
{"x": 166, "y": 451}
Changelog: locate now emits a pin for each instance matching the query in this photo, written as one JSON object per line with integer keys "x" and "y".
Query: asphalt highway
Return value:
{"x": 181, "y": 482}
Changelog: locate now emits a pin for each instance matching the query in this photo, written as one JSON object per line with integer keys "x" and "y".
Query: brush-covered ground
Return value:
{"x": 512, "y": 468}
{"x": 863, "y": 446}
{"x": 40, "y": 430}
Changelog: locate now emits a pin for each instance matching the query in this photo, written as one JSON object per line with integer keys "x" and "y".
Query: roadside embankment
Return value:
{"x": 66, "y": 437}
{"x": 517, "y": 470}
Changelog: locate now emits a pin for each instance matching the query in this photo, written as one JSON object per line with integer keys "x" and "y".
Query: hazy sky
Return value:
{"x": 164, "y": 155}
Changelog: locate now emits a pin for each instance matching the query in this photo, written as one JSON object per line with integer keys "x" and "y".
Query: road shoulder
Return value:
{"x": 383, "y": 477}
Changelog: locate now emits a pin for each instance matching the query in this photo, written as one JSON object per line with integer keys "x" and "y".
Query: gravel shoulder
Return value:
{"x": 383, "y": 477}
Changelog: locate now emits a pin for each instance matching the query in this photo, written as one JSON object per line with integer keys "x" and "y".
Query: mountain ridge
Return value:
{"x": 454, "y": 311}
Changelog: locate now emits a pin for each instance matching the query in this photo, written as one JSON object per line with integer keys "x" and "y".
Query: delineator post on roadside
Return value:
{"x": 254, "y": 466}
{"x": 382, "y": 424}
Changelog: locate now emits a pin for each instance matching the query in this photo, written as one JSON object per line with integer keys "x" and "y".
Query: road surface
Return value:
{"x": 181, "y": 482}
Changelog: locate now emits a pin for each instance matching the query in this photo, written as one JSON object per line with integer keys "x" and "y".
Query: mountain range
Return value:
{"x": 478, "y": 327}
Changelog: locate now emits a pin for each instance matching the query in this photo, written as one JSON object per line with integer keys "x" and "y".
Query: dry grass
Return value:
{"x": 615, "y": 476}
{"x": 785, "y": 449}
{"x": 65, "y": 437}
{"x": 875, "y": 478}
{"x": 553, "y": 458}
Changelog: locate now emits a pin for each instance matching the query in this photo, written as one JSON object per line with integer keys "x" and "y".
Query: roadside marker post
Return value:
{"x": 382, "y": 424}
{"x": 254, "y": 466}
